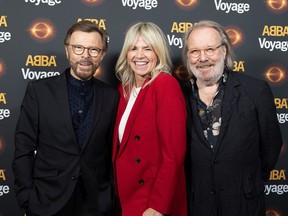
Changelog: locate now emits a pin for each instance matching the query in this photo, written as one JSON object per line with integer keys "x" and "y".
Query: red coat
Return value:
{"x": 148, "y": 164}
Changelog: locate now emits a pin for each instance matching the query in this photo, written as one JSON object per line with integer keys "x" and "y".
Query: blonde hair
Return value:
{"x": 154, "y": 37}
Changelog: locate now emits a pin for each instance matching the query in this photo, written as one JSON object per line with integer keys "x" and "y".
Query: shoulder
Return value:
{"x": 47, "y": 81}
{"x": 244, "y": 78}
{"x": 165, "y": 80}
{"x": 165, "y": 85}
{"x": 104, "y": 85}
{"x": 247, "y": 81}
{"x": 109, "y": 91}
{"x": 251, "y": 86}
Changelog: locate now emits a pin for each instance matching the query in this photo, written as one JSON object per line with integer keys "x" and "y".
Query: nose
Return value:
{"x": 139, "y": 53}
{"x": 203, "y": 56}
{"x": 86, "y": 53}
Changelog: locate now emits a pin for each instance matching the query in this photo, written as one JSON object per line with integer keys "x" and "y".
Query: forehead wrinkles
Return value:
{"x": 86, "y": 39}
{"x": 204, "y": 37}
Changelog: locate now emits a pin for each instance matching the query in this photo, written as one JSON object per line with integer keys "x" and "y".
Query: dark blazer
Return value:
{"x": 48, "y": 159}
{"x": 229, "y": 181}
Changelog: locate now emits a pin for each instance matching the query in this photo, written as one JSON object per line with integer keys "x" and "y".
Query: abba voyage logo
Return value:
{"x": 220, "y": 5}
{"x": 280, "y": 188}
{"x": 48, "y": 2}
{"x": 269, "y": 34}
{"x": 4, "y": 113}
{"x": 146, "y": 4}
{"x": 231, "y": 7}
{"x": 39, "y": 61}
{"x": 4, "y": 35}
{"x": 4, "y": 189}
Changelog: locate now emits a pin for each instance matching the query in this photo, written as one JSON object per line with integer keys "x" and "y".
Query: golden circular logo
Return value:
{"x": 272, "y": 213}
{"x": 235, "y": 35}
{"x": 42, "y": 30}
{"x": 92, "y": 2}
{"x": 275, "y": 74}
{"x": 2, "y": 146}
{"x": 2, "y": 68}
{"x": 277, "y": 6}
{"x": 187, "y": 4}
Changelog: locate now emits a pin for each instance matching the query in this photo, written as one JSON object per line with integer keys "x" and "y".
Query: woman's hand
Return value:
{"x": 151, "y": 212}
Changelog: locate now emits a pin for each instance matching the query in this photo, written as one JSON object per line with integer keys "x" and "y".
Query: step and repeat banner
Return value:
{"x": 31, "y": 47}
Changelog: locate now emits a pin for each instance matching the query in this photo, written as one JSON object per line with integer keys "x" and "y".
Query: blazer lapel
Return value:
{"x": 61, "y": 94}
{"x": 229, "y": 103}
{"x": 131, "y": 119}
{"x": 97, "y": 104}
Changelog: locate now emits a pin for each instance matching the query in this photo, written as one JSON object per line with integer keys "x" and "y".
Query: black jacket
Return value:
{"x": 47, "y": 179}
{"x": 229, "y": 181}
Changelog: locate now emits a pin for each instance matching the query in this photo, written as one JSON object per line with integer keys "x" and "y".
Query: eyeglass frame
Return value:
{"x": 205, "y": 51}
{"x": 84, "y": 48}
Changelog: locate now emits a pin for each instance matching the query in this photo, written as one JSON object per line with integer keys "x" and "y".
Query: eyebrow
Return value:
{"x": 133, "y": 46}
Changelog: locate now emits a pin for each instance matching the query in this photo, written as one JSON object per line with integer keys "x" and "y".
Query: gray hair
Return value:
{"x": 229, "y": 59}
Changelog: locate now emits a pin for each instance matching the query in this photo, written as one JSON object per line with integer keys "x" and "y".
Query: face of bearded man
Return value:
{"x": 206, "y": 68}
{"x": 208, "y": 77}
{"x": 84, "y": 66}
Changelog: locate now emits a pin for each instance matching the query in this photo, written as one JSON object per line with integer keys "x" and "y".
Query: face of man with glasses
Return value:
{"x": 84, "y": 53}
{"x": 206, "y": 55}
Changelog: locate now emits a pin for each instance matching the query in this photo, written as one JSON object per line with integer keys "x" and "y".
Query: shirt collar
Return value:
{"x": 79, "y": 84}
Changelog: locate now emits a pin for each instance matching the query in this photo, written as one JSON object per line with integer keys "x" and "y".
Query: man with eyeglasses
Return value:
{"x": 234, "y": 138}
{"x": 63, "y": 139}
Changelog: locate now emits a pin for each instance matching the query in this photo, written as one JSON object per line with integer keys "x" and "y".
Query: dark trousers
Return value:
{"x": 79, "y": 204}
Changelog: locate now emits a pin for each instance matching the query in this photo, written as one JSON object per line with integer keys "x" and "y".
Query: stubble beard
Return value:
{"x": 215, "y": 75}
{"x": 84, "y": 74}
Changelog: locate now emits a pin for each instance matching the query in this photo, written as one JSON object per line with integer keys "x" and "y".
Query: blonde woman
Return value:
{"x": 149, "y": 135}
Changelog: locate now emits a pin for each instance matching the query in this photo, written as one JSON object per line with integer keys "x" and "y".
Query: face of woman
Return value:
{"x": 142, "y": 59}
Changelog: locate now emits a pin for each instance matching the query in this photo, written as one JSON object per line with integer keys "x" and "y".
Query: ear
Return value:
{"x": 102, "y": 56}
{"x": 66, "y": 51}
{"x": 225, "y": 50}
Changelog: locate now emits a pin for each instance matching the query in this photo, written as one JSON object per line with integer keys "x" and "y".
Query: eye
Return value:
{"x": 78, "y": 47}
{"x": 94, "y": 50}
{"x": 210, "y": 51}
{"x": 193, "y": 52}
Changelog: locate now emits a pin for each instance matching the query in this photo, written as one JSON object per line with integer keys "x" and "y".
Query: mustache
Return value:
{"x": 84, "y": 61}
{"x": 204, "y": 64}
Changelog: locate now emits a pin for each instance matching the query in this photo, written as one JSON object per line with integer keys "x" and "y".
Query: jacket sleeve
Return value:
{"x": 270, "y": 134}
{"x": 111, "y": 131}
{"x": 171, "y": 126}
{"x": 25, "y": 141}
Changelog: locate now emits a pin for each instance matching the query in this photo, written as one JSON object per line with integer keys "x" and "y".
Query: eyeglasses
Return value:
{"x": 79, "y": 50}
{"x": 209, "y": 51}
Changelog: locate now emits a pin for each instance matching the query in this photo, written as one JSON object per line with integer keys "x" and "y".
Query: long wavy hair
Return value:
{"x": 154, "y": 37}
